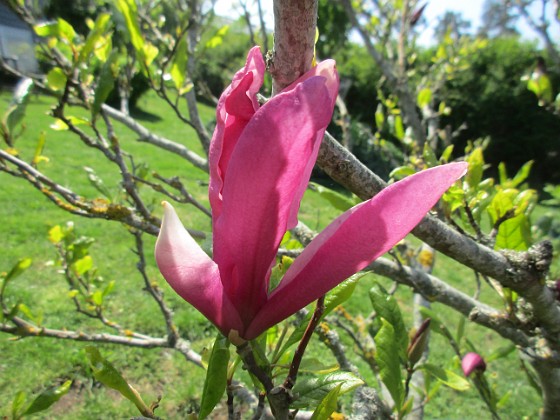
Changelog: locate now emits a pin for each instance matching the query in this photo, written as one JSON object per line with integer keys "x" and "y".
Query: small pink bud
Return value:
{"x": 472, "y": 362}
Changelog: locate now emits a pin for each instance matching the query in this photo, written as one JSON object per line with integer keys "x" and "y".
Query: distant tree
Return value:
{"x": 498, "y": 19}
{"x": 453, "y": 23}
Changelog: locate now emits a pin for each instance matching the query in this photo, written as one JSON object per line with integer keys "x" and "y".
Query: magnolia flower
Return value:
{"x": 472, "y": 362}
{"x": 260, "y": 162}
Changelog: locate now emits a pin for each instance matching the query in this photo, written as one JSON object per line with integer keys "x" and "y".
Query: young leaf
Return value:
{"x": 337, "y": 200}
{"x": 387, "y": 308}
{"x": 106, "y": 373}
{"x": 424, "y": 97}
{"x": 335, "y": 297}
{"x": 17, "y": 405}
{"x": 56, "y": 79}
{"x": 105, "y": 83}
{"x": 129, "y": 12}
{"x": 22, "y": 265}
{"x": 48, "y": 397}
{"x": 514, "y": 234}
{"x": 216, "y": 376}
{"x": 387, "y": 358}
{"x": 310, "y": 390}
{"x": 327, "y": 406}
{"x": 448, "y": 378}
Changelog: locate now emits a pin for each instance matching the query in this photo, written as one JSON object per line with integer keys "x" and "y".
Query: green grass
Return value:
{"x": 33, "y": 363}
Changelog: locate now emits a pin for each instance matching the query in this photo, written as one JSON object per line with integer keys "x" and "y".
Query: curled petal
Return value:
{"x": 353, "y": 240}
{"x": 192, "y": 274}
{"x": 261, "y": 187}
{"x": 237, "y": 105}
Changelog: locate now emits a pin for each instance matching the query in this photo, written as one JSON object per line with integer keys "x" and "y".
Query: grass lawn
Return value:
{"x": 33, "y": 363}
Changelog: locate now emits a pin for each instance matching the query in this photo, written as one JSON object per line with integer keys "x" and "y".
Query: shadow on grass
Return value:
{"x": 142, "y": 115}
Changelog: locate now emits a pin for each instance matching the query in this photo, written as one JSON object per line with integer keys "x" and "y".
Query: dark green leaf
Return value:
{"x": 387, "y": 308}
{"x": 387, "y": 359}
{"x": 48, "y": 397}
{"x": 216, "y": 376}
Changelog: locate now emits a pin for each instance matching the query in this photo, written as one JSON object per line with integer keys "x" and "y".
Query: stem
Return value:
{"x": 298, "y": 355}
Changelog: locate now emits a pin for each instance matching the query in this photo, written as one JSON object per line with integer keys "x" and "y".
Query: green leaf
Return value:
{"x": 98, "y": 183}
{"x": 447, "y": 377}
{"x": 401, "y": 172}
{"x": 514, "y": 234}
{"x": 95, "y": 36}
{"x": 327, "y": 405}
{"x": 17, "y": 405}
{"x": 522, "y": 174}
{"x": 55, "y": 234}
{"x": 106, "y": 373}
{"x": 317, "y": 366}
{"x": 129, "y": 12}
{"x": 444, "y": 158}
{"x": 56, "y": 79}
{"x": 476, "y": 167}
{"x": 46, "y": 29}
{"x": 83, "y": 265}
{"x": 500, "y": 352}
{"x": 379, "y": 117}
{"x": 341, "y": 293}
{"x": 399, "y": 128}
{"x": 387, "y": 308}
{"x": 424, "y": 97}
{"x": 218, "y": 37}
{"x": 179, "y": 66}
{"x": 216, "y": 376}
{"x": 337, "y": 200}
{"x": 310, "y": 390}
{"x": 38, "y": 155}
{"x": 335, "y": 297}
{"x": 22, "y": 265}
{"x": 48, "y": 397}
{"x": 387, "y": 359}
{"x": 105, "y": 83}
{"x": 65, "y": 30}
{"x": 429, "y": 156}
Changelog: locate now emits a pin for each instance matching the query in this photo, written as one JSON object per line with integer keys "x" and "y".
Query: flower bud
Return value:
{"x": 418, "y": 342}
{"x": 473, "y": 362}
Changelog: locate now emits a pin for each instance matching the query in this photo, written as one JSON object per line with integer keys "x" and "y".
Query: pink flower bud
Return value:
{"x": 473, "y": 362}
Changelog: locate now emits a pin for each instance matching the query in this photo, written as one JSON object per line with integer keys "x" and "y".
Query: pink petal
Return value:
{"x": 326, "y": 69}
{"x": 353, "y": 240}
{"x": 263, "y": 179}
{"x": 192, "y": 274}
{"x": 237, "y": 105}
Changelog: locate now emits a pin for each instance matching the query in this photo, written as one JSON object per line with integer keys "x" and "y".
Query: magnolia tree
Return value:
{"x": 259, "y": 160}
